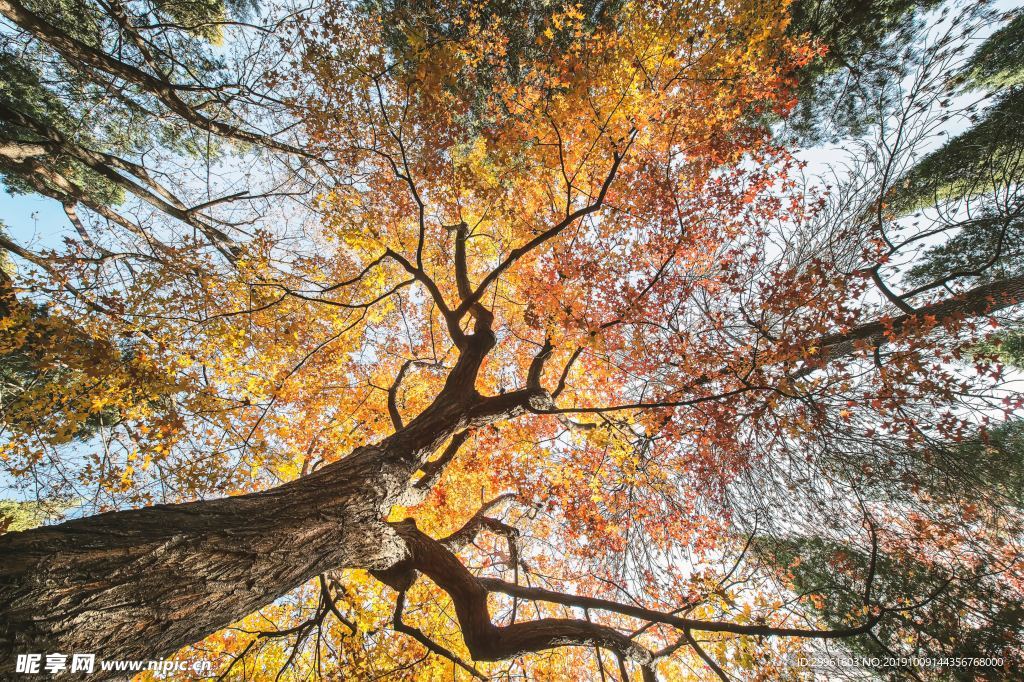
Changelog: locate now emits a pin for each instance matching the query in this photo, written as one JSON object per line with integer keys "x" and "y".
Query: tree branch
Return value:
{"x": 650, "y": 615}
{"x": 430, "y": 644}
{"x": 985, "y": 299}
{"x": 76, "y": 51}
{"x": 488, "y": 642}
{"x": 550, "y": 233}
{"x": 432, "y": 469}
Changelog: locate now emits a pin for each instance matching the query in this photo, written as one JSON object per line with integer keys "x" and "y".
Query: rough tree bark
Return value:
{"x": 141, "y": 584}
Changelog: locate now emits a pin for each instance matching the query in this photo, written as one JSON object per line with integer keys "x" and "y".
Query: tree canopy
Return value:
{"x": 499, "y": 340}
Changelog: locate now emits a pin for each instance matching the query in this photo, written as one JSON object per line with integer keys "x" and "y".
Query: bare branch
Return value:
{"x": 705, "y": 657}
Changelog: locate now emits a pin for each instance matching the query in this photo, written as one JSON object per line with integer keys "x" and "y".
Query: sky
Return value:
{"x": 32, "y": 219}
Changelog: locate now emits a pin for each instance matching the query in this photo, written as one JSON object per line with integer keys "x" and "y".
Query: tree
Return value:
{"x": 555, "y": 308}
{"x": 23, "y": 515}
{"x": 91, "y": 90}
{"x": 961, "y": 196}
{"x": 978, "y": 169}
{"x": 964, "y": 608}
{"x": 865, "y": 46}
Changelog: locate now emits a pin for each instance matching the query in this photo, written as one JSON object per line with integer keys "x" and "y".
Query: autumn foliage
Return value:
{"x": 708, "y": 368}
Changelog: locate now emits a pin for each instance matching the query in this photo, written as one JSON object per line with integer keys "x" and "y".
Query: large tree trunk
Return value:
{"x": 140, "y": 584}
